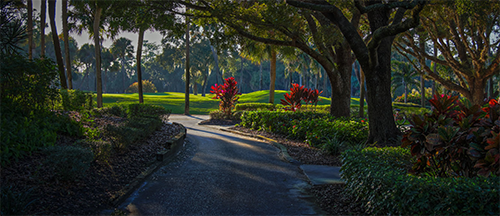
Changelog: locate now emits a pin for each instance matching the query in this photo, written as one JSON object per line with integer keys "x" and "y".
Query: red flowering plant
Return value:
{"x": 228, "y": 94}
{"x": 297, "y": 95}
{"x": 456, "y": 139}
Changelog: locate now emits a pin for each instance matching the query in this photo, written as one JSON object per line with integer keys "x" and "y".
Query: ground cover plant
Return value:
{"x": 379, "y": 178}
{"x": 315, "y": 128}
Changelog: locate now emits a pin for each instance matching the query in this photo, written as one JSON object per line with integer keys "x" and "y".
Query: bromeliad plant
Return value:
{"x": 456, "y": 139}
{"x": 228, "y": 94}
{"x": 297, "y": 94}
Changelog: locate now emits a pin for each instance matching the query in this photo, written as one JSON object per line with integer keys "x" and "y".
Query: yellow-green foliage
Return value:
{"x": 147, "y": 87}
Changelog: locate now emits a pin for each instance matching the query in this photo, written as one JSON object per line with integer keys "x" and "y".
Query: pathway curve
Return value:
{"x": 220, "y": 173}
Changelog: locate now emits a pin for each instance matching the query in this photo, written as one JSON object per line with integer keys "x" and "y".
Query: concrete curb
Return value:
{"x": 161, "y": 159}
{"x": 283, "y": 151}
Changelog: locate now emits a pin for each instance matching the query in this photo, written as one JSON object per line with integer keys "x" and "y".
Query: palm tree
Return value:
{"x": 43, "y": 11}
{"x": 106, "y": 63}
{"x": 86, "y": 56}
{"x": 57, "y": 46}
{"x": 403, "y": 76}
{"x": 66, "y": 42}
{"x": 30, "y": 29}
{"x": 12, "y": 31}
{"x": 122, "y": 49}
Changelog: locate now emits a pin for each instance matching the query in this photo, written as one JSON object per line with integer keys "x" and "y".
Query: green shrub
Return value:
{"x": 15, "y": 203}
{"x": 76, "y": 100}
{"x": 21, "y": 135}
{"x": 147, "y": 110}
{"x": 217, "y": 114}
{"x": 312, "y": 127}
{"x": 115, "y": 110}
{"x": 147, "y": 87}
{"x": 254, "y": 107}
{"x": 378, "y": 178}
{"x": 69, "y": 162}
{"x": 102, "y": 150}
{"x": 134, "y": 130}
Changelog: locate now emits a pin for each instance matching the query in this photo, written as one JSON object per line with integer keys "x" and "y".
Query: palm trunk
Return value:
{"x": 422, "y": 91}
{"x": 216, "y": 59}
{"x": 138, "y": 58}
{"x": 66, "y": 43}
{"x": 123, "y": 76}
{"x": 273, "y": 75}
{"x": 260, "y": 68}
{"x": 30, "y": 29}
{"x": 97, "y": 20}
{"x": 57, "y": 46}
{"x": 43, "y": 10}
{"x": 204, "y": 85}
{"x": 186, "y": 94}
{"x": 361, "y": 94}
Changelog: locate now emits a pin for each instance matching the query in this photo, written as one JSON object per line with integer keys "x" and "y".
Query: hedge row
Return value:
{"x": 316, "y": 128}
{"x": 378, "y": 177}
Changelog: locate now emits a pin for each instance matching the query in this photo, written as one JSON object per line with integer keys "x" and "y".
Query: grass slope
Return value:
{"x": 198, "y": 104}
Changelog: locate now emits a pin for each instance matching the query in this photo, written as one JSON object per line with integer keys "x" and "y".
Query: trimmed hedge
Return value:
{"x": 378, "y": 177}
{"x": 255, "y": 106}
{"x": 316, "y": 128}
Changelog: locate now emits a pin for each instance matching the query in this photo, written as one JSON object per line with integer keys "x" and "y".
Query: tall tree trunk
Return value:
{"x": 382, "y": 127}
{"x": 300, "y": 79}
{"x": 361, "y": 93}
{"x": 260, "y": 80}
{"x": 435, "y": 68}
{"x": 105, "y": 79}
{"x": 291, "y": 80}
{"x": 490, "y": 87}
{"x": 422, "y": 80}
{"x": 341, "y": 82}
{"x": 97, "y": 44}
{"x": 139, "y": 64}
{"x": 324, "y": 84}
{"x": 405, "y": 86}
{"x": 57, "y": 46}
{"x": 273, "y": 75}
{"x": 316, "y": 80}
{"x": 195, "y": 88}
{"x": 43, "y": 10}
{"x": 186, "y": 96}
{"x": 204, "y": 85}
{"x": 241, "y": 76}
{"x": 30, "y": 29}
{"x": 66, "y": 43}
{"x": 422, "y": 91}
{"x": 216, "y": 59}
{"x": 124, "y": 73}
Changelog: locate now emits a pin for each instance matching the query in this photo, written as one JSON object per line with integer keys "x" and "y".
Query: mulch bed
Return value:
{"x": 331, "y": 198}
{"x": 91, "y": 193}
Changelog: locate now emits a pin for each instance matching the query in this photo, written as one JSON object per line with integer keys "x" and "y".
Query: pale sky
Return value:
{"x": 84, "y": 37}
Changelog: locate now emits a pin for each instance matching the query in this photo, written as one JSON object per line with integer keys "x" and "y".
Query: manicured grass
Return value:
{"x": 198, "y": 104}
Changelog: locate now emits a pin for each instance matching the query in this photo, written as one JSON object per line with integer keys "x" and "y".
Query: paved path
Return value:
{"x": 220, "y": 173}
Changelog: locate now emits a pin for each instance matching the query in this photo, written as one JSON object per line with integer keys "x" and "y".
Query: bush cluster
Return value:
{"x": 317, "y": 129}
{"x": 217, "y": 114}
{"x": 414, "y": 97}
{"x": 378, "y": 177}
{"x": 69, "y": 162}
{"x": 256, "y": 106}
{"x": 147, "y": 87}
{"x": 227, "y": 93}
{"x": 147, "y": 110}
{"x": 75, "y": 100}
{"x": 135, "y": 129}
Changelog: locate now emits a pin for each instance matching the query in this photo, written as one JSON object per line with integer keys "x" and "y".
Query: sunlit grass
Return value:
{"x": 198, "y": 104}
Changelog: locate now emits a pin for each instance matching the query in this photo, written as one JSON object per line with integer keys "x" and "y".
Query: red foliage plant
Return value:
{"x": 227, "y": 93}
{"x": 300, "y": 93}
{"x": 456, "y": 139}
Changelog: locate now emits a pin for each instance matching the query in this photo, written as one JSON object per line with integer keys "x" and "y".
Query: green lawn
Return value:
{"x": 198, "y": 104}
